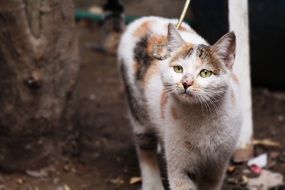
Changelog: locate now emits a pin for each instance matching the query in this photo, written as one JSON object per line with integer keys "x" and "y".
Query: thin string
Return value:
{"x": 182, "y": 16}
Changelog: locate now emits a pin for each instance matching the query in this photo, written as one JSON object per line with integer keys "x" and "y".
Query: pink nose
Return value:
{"x": 187, "y": 80}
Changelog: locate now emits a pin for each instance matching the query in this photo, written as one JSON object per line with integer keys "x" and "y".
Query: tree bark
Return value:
{"x": 38, "y": 71}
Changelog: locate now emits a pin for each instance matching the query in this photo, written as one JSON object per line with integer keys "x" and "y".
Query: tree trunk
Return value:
{"x": 38, "y": 70}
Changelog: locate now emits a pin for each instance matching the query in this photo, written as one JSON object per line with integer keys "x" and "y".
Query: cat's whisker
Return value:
{"x": 201, "y": 101}
{"x": 205, "y": 103}
{"x": 168, "y": 90}
{"x": 210, "y": 104}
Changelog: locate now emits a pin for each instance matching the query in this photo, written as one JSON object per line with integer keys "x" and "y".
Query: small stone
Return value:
{"x": 20, "y": 181}
{"x": 135, "y": 180}
{"x": 232, "y": 181}
{"x": 73, "y": 170}
{"x": 244, "y": 180}
{"x": 281, "y": 118}
{"x": 66, "y": 187}
{"x": 66, "y": 168}
{"x": 36, "y": 174}
{"x": 231, "y": 169}
{"x": 117, "y": 181}
{"x": 55, "y": 180}
{"x": 246, "y": 171}
{"x": 92, "y": 97}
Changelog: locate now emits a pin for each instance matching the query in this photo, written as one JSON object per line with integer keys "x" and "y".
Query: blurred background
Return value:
{"x": 63, "y": 124}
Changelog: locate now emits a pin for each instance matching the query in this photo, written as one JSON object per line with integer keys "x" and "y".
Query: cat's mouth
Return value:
{"x": 187, "y": 93}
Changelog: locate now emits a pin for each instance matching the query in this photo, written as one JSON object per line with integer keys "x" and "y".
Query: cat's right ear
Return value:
{"x": 174, "y": 42}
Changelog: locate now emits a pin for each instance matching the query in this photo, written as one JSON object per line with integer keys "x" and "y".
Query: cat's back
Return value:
{"x": 142, "y": 28}
{"x": 139, "y": 37}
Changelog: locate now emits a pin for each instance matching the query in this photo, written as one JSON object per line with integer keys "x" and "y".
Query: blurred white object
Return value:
{"x": 238, "y": 21}
{"x": 96, "y": 10}
{"x": 260, "y": 161}
{"x": 265, "y": 181}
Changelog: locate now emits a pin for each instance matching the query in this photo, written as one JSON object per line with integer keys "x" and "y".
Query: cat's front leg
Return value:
{"x": 151, "y": 179}
{"x": 178, "y": 169}
{"x": 212, "y": 179}
{"x": 178, "y": 180}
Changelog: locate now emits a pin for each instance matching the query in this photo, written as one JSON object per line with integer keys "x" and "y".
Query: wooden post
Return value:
{"x": 238, "y": 21}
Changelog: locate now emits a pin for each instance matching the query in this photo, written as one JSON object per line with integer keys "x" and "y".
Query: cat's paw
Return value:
{"x": 156, "y": 186}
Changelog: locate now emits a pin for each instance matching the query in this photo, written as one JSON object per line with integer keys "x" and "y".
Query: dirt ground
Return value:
{"x": 107, "y": 157}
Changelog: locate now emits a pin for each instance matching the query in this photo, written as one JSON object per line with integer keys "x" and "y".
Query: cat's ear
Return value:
{"x": 225, "y": 49}
{"x": 174, "y": 40}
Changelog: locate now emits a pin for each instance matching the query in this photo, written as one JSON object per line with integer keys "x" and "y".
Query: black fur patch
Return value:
{"x": 189, "y": 52}
{"x": 137, "y": 110}
{"x": 146, "y": 141}
{"x": 202, "y": 51}
{"x": 192, "y": 176}
{"x": 142, "y": 58}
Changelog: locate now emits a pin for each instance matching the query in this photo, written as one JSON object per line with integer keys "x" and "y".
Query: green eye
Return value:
{"x": 205, "y": 73}
{"x": 178, "y": 69}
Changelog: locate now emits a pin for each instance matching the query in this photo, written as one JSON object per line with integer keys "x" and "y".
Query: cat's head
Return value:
{"x": 196, "y": 73}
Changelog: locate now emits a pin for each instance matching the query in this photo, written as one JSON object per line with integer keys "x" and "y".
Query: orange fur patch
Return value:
{"x": 155, "y": 40}
{"x": 163, "y": 102}
{"x": 189, "y": 146}
{"x": 135, "y": 67}
{"x": 152, "y": 71}
{"x": 174, "y": 113}
{"x": 185, "y": 50}
{"x": 142, "y": 30}
{"x": 195, "y": 87}
{"x": 149, "y": 158}
{"x": 153, "y": 68}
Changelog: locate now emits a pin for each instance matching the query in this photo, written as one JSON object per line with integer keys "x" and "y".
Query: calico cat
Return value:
{"x": 182, "y": 93}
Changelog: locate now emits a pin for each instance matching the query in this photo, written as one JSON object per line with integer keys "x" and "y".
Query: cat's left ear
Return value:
{"x": 225, "y": 49}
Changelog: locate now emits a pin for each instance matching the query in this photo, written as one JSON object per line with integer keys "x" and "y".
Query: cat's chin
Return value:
{"x": 186, "y": 98}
